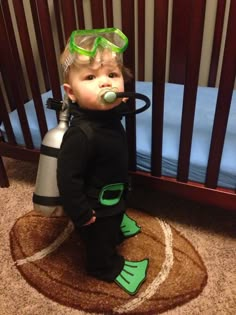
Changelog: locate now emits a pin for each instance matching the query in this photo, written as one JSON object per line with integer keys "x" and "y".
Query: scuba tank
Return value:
{"x": 46, "y": 197}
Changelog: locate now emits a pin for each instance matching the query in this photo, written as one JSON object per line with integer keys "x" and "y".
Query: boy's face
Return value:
{"x": 88, "y": 81}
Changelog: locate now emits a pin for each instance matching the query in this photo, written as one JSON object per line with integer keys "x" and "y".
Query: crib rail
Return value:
{"x": 223, "y": 102}
{"x": 184, "y": 68}
{"x": 166, "y": 44}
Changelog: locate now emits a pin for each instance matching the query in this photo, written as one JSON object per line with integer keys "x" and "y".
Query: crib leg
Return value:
{"x": 3, "y": 175}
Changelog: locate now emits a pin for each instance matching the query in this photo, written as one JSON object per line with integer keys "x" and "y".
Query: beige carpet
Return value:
{"x": 212, "y": 232}
{"x": 50, "y": 256}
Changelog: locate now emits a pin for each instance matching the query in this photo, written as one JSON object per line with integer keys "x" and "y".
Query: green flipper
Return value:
{"x": 129, "y": 227}
{"x": 132, "y": 275}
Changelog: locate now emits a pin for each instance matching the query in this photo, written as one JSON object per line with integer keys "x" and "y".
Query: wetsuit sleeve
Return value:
{"x": 71, "y": 168}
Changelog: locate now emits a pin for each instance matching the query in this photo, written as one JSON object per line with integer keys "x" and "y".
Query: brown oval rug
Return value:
{"x": 50, "y": 256}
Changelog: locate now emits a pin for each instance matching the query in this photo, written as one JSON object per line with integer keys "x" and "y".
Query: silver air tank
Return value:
{"x": 46, "y": 198}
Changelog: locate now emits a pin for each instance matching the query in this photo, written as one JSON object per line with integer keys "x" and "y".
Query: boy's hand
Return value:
{"x": 92, "y": 220}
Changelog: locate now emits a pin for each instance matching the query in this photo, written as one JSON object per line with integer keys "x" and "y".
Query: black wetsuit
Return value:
{"x": 94, "y": 155}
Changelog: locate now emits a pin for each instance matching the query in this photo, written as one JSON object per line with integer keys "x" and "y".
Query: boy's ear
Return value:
{"x": 69, "y": 91}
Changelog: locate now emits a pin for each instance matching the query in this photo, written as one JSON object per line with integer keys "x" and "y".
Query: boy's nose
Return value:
{"x": 105, "y": 83}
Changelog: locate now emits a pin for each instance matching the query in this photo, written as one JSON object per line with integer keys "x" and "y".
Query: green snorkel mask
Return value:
{"x": 84, "y": 45}
{"x": 111, "y": 38}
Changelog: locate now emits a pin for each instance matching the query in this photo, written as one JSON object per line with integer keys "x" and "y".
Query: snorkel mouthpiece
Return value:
{"x": 110, "y": 97}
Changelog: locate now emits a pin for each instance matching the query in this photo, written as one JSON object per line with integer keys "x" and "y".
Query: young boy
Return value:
{"x": 93, "y": 160}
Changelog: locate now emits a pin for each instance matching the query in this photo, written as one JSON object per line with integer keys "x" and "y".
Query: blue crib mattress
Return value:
{"x": 203, "y": 123}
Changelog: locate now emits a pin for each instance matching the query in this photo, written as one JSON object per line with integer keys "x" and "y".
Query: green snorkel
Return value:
{"x": 110, "y": 95}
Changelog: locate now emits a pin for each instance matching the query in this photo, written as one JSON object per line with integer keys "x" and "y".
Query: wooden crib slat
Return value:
{"x": 80, "y": 13}
{"x": 30, "y": 64}
{"x": 4, "y": 182}
{"x": 127, "y": 13}
{"x": 141, "y": 40}
{"x": 47, "y": 36}
{"x": 190, "y": 88}
{"x": 11, "y": 94}
{"x": 97, "y": 14}
{"x": 4, "y": 117}
{"x": 14, "y": 50}
{"x": 40, "y": 44}
{"x": 179, "y": 34}
{"x": 219, "y": 22}
{"x": 109, "y": 13}
{"x": 226, "y": 87}
{"x": 159, "y": 66}
{"x": 57, "y": 9}
{"x": 8, "y": 67}
{"x": 68, "y": 13}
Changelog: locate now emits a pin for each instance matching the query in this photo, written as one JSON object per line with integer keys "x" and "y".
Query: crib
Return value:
{"x": 183, "y": 56}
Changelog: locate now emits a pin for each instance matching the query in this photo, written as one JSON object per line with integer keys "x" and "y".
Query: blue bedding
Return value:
{"x": 205, "y": 110}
